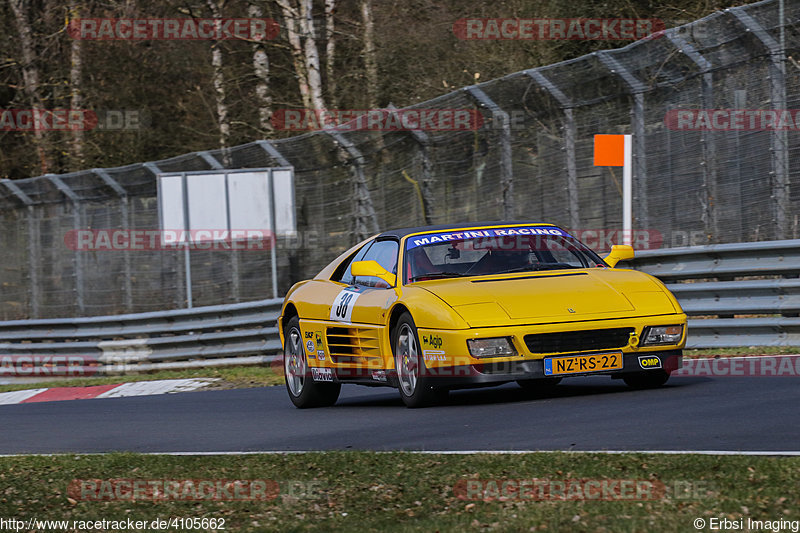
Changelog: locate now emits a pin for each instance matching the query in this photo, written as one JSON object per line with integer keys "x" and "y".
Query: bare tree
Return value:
{"x": 300, "y": 30}
{"x": 30, "y": 75}
{"x": 261, "y": 70}
{"x": 219, "y": 85}
{"x": 76, "y": 89}
{"x": 370, "y": 55}
{"x": 330, "y": 50}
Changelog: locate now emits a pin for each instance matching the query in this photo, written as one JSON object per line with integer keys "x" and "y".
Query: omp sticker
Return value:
{"x": 342, "y": 308}
{"x": 649, "y": 361}
{"x": 310, "y": 347}
{"x": 321, "y": 374}
{"x": 433, "y": 355}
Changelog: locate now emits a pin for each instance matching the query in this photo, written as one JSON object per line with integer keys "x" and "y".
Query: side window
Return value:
{"x": 565, "y": 254}
{"x": 342, "y": 273}
{"x": 385, "y": 254}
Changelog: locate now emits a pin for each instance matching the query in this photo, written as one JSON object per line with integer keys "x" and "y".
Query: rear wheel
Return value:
{"x": 415, "y": 387}
{"x": 303, "y": 391}
{"x": 539, "y": 385}
{"x": 646, "y": 380}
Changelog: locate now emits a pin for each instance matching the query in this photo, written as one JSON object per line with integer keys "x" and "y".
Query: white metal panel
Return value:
{"x": 283, "y": 186}
{"x": 248, "y": 194}
{"x": 207, "y": 204}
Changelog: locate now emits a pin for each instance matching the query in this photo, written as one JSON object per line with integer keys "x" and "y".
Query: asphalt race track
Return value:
{"x": 690, "y": 413}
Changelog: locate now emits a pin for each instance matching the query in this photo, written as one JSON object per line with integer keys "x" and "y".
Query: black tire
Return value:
{"x": 651, "y": 379}
{"x": 413, "y": 382}
{"x": 303, "y": 390}
{"x": 539, "y": 385}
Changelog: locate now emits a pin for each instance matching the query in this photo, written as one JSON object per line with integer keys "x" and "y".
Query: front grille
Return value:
{"x": 578, "y": 341}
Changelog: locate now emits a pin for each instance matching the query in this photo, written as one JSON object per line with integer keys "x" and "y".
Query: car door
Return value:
{"x": 366, "y": 300}
{"x": 355, "y": 334}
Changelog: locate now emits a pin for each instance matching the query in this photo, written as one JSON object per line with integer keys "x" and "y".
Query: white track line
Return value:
{"x": 162, "y": 386}
{"x": 787, "y": 453}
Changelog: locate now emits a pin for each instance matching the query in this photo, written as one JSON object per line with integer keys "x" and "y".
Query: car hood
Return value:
{"x": 553, "y": 296}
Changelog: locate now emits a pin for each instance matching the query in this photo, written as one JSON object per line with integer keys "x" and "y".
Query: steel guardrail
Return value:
{"x": 211, "y": 336}
{"x": 741, "y": 294}
{"x": 703, "y": 278}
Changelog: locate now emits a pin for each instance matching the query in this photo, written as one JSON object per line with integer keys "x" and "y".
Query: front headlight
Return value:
{"x": 657, "y": 335}
{"x": 494, "y": 347}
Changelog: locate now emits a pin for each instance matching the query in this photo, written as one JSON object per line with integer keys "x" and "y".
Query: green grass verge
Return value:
{"x": 232, "y": 377}
{"x": 367, "y": 491}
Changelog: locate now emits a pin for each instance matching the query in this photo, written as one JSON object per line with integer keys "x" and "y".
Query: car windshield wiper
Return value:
{"x": 432, "y": 275}
{"x": 536, "y": 267}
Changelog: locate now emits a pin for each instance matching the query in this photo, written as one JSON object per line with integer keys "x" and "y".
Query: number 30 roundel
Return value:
{"x": 342, "y": 308}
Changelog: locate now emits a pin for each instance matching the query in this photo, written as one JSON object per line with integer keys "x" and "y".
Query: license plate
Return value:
{"x": 577, "y": 364}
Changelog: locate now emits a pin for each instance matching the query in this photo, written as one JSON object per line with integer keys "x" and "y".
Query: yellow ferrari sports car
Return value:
{"x": 427, "y": 310}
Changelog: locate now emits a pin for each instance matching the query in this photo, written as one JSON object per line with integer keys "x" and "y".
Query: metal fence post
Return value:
{"x": 573, "y": 200}
{"x": 506, "y": 163}
{"x": 34, "y": 259}
{"x": 126, "y": 224}
{"x": 424, "y": 143}
{"x": 274, "y": 153}
{"x": 779, "y": 138}
{"x": 709, "y": 163}
{"x": 234, "y": 253}
{"x": 365, "y": 220}
{"x": 637, "y": 89}
{"x": 77, "y": 223}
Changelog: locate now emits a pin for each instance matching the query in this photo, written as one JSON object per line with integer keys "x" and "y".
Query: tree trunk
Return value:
{"x": 76, "y": 91}
{"x": 312, "y": 56}
{"x": 370, "y": 56}
{"x": 261, "y": 70}
{"x": 291, "y": 17}
{"x": 330, "y": 51}
{"x": 219, "y": 88}
{"x": 30, "y": 75}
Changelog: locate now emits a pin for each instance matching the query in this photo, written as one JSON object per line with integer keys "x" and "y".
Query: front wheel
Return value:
{"x": 303, "y": 391}
{"x": 415, "y": 387}
{"x": 650, "y": 379}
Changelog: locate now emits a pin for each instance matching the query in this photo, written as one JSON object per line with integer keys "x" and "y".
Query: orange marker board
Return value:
{"x": 609, "y": 150}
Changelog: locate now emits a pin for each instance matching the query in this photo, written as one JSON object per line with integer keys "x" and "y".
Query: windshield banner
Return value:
{"x": 432, "y": 238}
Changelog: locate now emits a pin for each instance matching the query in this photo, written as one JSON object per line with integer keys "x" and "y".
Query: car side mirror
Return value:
{"x": 373, "y": 269}
{"x": 619, "y": 252}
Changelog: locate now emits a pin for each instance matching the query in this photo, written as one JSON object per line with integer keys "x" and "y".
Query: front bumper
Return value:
{"x": 494, "y": 373}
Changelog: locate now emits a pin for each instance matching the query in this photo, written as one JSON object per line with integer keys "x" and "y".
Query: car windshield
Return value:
{"x": 494, "y": 251}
